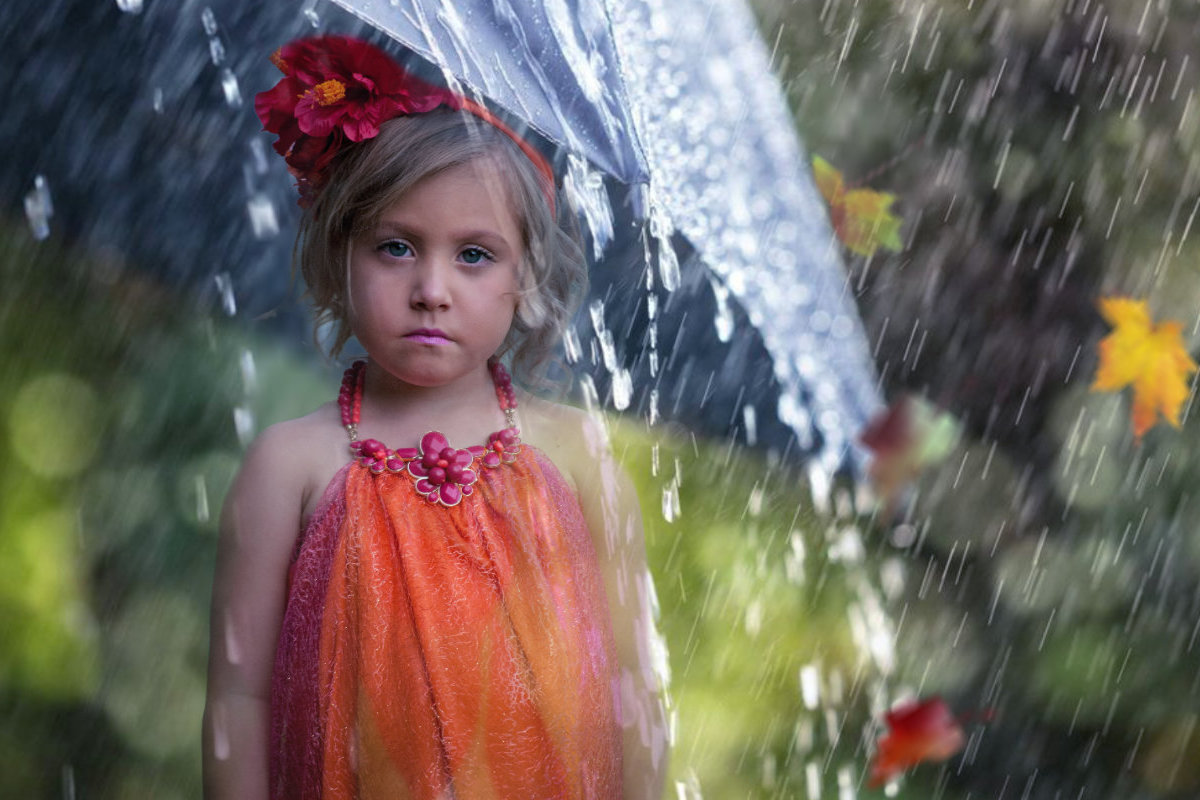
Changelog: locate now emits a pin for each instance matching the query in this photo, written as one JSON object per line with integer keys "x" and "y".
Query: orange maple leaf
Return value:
{"x": 861, "y": 217}
{"x": 1150, "y": 357}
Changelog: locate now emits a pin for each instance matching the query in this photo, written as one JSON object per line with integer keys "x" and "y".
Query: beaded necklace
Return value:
{"x": 441, "y": 473}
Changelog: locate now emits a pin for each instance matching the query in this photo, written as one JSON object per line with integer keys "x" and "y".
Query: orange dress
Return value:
{"x": 434, "y": 650}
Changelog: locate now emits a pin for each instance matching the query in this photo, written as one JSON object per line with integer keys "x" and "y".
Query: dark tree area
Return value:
{"x": 1044, "y": 155}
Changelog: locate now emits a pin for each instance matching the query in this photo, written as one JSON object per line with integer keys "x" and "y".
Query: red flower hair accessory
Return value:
{"x": 338, "y": 89}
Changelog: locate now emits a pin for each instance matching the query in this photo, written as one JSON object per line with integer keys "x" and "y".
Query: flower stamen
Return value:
{"x": 280, "y": 64}
{"x": 329, "y": 92}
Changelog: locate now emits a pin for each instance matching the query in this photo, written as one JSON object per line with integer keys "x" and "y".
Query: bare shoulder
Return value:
{"x": 569, "y": 436}
{"x": 578, "y": 445}
{"x": 290, "y": 462}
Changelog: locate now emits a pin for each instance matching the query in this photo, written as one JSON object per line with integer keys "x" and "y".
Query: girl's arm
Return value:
{"x": 610, "y": 506}
{"x": 259, "y": 526}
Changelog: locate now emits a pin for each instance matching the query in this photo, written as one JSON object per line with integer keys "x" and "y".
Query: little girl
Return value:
{"x": 436, "y": 586}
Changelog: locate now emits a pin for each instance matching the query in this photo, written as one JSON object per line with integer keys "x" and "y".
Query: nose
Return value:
{"x": 430, "y": 291}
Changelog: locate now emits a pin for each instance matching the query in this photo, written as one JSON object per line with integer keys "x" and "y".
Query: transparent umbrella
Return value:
{"x": 681, "y": 156}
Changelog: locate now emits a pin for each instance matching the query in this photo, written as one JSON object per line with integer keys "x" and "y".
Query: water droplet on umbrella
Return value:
{"x": 668, "y": 265}
{"x": 724, "y": 317}
{"x": 39, "y": 208}
{"x": 585, "y": 192}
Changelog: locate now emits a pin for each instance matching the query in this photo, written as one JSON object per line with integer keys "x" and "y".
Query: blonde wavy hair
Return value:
{"x": 368, "y": 178}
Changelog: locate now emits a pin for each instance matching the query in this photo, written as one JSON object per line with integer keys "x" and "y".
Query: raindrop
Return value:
{"x": 229, "y": 85}
{"x": 258, "y": 156}
{"x": 750, "y": 419}
{"x": 216, "y": 51}
{"x": 225, "y": 287}
{"x": 243, "y": 423}
{"x": 202, "y": 512}
{"x": 652, "y": 415}
{"x": 68, "y": 782}
{"x": 754, "y": 617}
{"x": 571, "y": 346}
{"x": 310, "y": 13}
{"x": 130, "y": 6}
{"x": 812, "y": 780}
{"x": 810, "y": 688}
{"x": 670, "y": 501}
{"x": 263, "y": 220}
{"x": 209, "y": 20}
{"x": 846, "y": 784}
{"x": 622, "y": 389}
{"x": 157, "y": 102}
{"x": 591, "y": 398}
{"x": 608, "y": 348}
{"x": 249, "y": 372}
{"x": 39, "y": 209}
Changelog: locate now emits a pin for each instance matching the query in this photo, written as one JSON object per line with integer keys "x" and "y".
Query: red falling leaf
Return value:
{"x": 918, "y": 731}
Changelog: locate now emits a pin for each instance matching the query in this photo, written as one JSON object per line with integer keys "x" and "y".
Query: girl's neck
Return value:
{"x": 398, "y": 413}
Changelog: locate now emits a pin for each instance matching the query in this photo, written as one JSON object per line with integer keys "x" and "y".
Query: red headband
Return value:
{"x": 337, "y": 89}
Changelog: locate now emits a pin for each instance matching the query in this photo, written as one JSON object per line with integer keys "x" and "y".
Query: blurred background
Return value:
{"x": 1038, "y": 569}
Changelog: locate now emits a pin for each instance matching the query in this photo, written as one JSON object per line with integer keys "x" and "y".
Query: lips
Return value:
{"x": 427, "y": 336}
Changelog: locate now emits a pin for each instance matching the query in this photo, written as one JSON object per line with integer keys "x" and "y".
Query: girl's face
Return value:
{"x": 433, "y": 289}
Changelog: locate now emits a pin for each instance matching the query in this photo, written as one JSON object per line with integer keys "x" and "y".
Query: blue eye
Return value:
{"x": 474, "y": 255}
{"x": 396, "y": 249}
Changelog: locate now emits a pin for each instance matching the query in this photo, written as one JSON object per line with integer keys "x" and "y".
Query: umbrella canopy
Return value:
{"x": 686, "y": 116}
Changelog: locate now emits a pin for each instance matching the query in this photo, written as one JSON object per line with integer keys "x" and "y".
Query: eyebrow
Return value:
{"x": 394, "y": 227}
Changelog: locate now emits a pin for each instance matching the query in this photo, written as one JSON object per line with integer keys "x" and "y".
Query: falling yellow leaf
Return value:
{"x": 861, "y": 217}
{"x": 1149, "y": 357}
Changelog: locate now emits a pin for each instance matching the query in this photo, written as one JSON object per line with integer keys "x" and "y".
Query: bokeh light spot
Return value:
{"x": 54, "y": 425}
